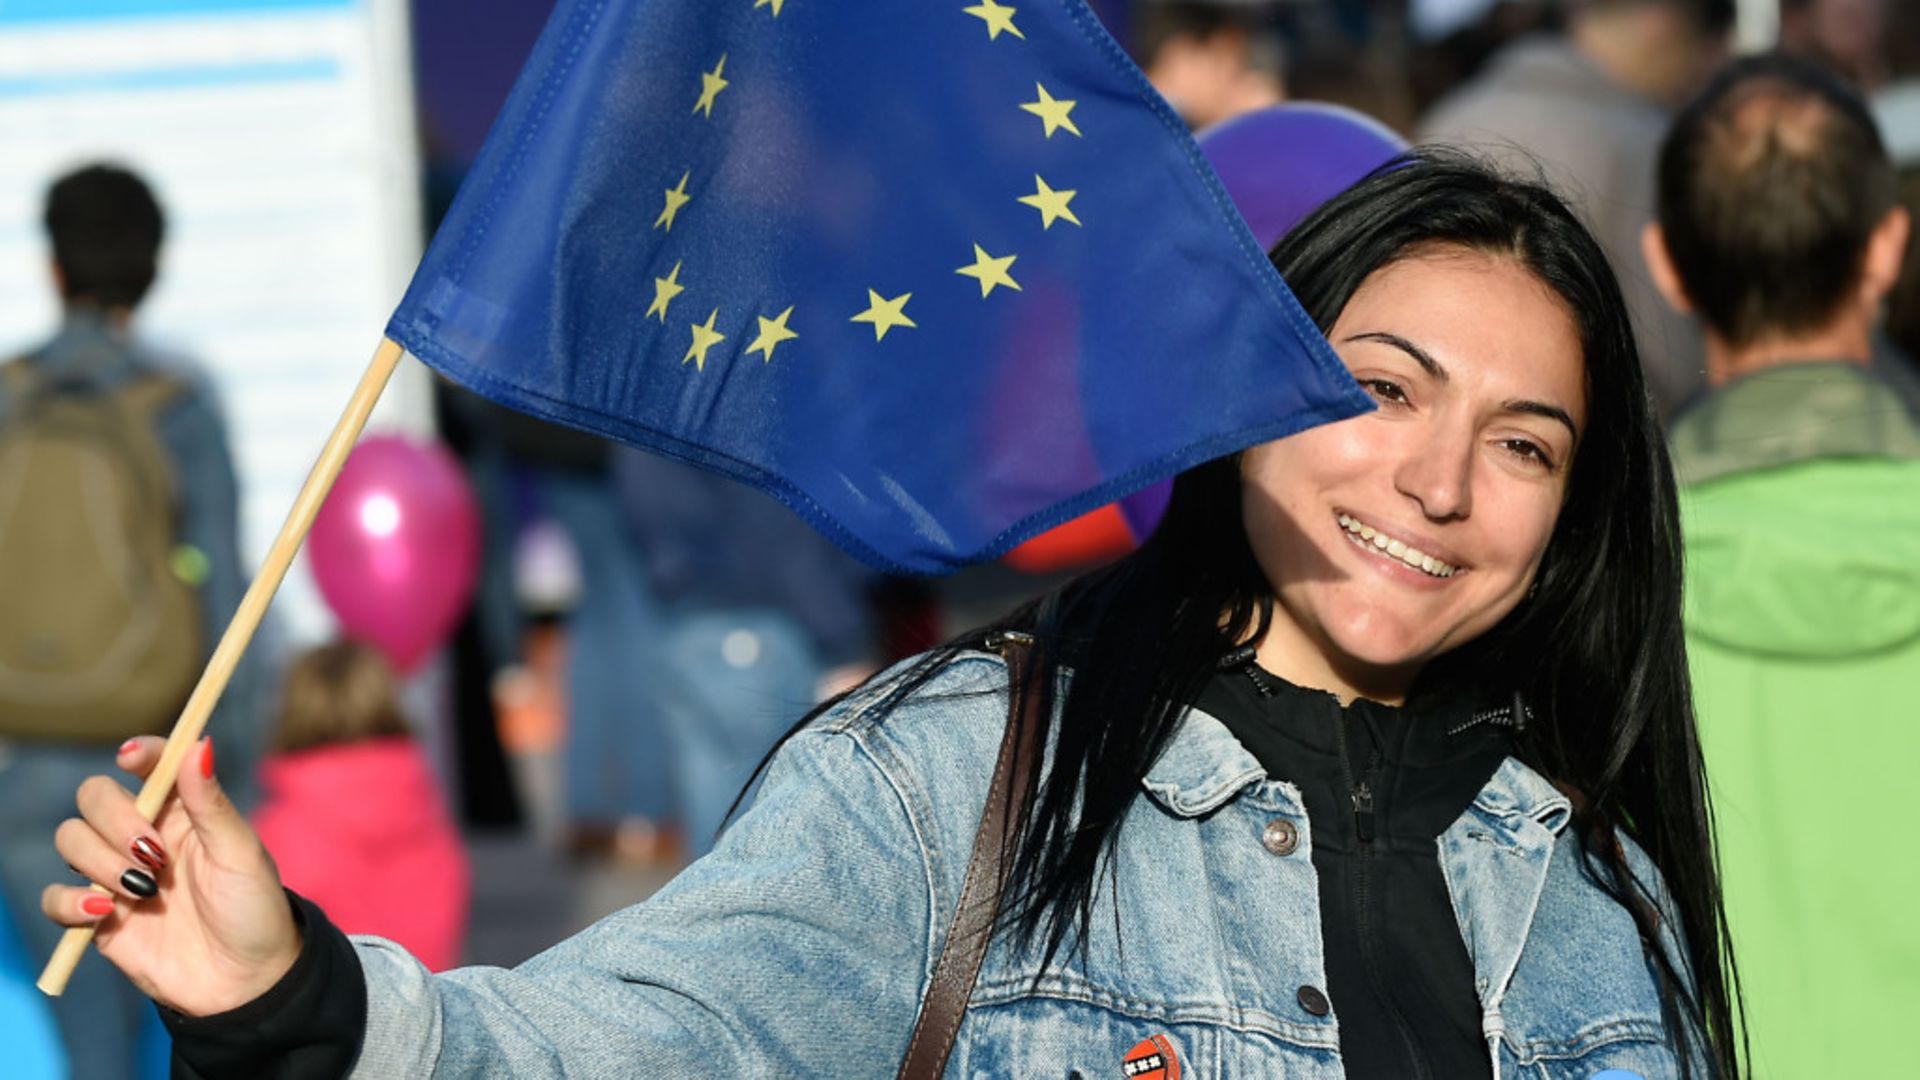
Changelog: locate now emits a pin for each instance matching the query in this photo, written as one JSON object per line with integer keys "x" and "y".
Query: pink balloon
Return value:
{"x": 395, "y": 548}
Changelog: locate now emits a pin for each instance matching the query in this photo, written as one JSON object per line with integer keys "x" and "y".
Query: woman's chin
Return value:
{"x": 1384, "y": 651}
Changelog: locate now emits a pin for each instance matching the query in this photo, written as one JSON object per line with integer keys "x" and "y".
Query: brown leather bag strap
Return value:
{"x": 945, "y": 1005}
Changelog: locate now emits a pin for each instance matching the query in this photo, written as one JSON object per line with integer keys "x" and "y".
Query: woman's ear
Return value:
{"x": 1653, "y": 249}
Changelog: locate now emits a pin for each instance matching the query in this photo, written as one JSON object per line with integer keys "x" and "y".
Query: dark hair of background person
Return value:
{"x": 336, "y": 693}
{"x": 106, "y": 228}
{"x": 1770, "y": 185}
{"x": 1715, "y": 17}
{"x": 1902, "y": 40}
{"x": 1154, "y": 25}
{"x": 1597, "y": 650}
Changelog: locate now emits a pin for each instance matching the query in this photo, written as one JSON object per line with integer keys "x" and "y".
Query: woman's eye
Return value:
{"x": 1528, "y": 450}
{"x": 1386, "y": 390}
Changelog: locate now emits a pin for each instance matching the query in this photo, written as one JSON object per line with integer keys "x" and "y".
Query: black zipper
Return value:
{"x": 1361, "y": 795}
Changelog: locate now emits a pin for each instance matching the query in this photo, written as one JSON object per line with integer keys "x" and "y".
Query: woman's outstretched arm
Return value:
{"x": 799, "y": 947}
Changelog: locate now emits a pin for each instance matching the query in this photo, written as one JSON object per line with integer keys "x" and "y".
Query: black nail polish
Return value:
{"x": 139, "y": 883}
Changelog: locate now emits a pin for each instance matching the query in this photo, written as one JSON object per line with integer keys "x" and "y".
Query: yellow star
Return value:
{"x": 1051, "y": 204}
{"x": 676, "y": 198}
{"x": 664, "y": 290}
{"x": 998, "y": 17}
{"x": 704, "y": 338}
{"x": 989, "y": 271}
{"x": 774, "y": 4}
{"x": 885, "y": 314}
{"x": 1052, "y": 110}
{"x": 772, "y": 333}
{"x": 710, "y": 86}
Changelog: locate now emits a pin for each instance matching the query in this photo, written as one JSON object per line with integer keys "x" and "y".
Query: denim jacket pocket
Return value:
{"x": 1632, "y": 1047}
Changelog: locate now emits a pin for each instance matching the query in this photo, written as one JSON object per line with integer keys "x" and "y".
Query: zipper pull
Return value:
{"x": 1363, "y": 811}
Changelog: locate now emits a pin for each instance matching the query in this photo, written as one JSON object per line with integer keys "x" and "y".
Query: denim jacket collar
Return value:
{"x": 1202, "y": 768}
{"x": 1517, "y": 792}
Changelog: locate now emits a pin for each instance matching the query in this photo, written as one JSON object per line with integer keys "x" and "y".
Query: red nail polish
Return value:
{"x": 97, "y": 905}
{"x": 126, "y": 747}
{"x": 149, "y": 852}
{"x": 206, "y": 761}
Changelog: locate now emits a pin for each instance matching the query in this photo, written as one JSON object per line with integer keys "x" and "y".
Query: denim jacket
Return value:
{"x": 802, "y": 945}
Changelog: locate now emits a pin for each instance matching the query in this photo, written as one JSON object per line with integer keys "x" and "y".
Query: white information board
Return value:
{"x": 279, "y": 137}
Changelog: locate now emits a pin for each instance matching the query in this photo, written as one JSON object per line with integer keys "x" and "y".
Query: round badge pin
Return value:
{"x": 1152, "y": 1059}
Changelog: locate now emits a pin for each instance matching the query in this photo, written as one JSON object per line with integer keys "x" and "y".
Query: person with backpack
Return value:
{"x": 119, "y": 565}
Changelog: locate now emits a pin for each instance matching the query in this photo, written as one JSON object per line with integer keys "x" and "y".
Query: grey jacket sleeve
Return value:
{"x": 799, "y": 947}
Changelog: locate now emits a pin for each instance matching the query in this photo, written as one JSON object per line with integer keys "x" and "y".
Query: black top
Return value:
{"x": 1380, "y": 785}
{"x": 309, "y": 1025}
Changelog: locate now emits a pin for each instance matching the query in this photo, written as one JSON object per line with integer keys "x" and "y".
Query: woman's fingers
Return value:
{"x": 101, "y": 856}
{"x": 140, "y": 754}
{"x": 217, "y": 823}
{"x": 75, "y": 905}
{"x": 112, "y": 813}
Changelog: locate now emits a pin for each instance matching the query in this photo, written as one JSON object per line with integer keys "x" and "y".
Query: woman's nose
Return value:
{"x": 1437, "y": 473}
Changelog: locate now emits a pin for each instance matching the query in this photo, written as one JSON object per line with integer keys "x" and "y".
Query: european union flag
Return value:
{"x": 938, "y": 274}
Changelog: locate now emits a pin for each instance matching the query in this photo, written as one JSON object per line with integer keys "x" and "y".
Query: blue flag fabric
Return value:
{"x": 937, "y": 274}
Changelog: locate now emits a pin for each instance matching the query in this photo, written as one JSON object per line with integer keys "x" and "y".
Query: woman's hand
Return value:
{"x": 200, "y": 924}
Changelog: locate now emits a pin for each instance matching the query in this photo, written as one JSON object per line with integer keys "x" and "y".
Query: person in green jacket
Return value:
{"x": 1800, "y": 504}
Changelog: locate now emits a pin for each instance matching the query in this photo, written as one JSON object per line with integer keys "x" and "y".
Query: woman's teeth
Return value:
{"x": 1368, "y": 536}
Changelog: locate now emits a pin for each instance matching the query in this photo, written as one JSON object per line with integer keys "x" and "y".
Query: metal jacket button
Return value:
{"x": 1280, "y": 836}
{"x": 1312, "y": 1000}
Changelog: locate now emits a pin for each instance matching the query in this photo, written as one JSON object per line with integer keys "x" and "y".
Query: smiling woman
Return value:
{"x": 1375, "y": 760}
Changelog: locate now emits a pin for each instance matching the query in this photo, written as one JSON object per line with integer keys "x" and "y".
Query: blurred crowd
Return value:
{"x": 640, "y": 633}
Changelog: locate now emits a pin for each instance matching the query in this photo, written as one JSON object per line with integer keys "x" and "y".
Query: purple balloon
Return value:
{"x": 395, "y": 548}
{"x": 1278, "y": 165}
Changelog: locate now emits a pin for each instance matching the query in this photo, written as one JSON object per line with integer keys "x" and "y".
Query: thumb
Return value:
{"x": 217, "y": 823}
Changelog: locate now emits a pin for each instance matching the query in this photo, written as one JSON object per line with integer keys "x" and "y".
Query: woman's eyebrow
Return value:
{"x": 1541, "y": 408}
{"x": 1431, "y": 365}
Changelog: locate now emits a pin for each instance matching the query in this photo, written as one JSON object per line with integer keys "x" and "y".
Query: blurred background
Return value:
{"x": 586, "y": 650}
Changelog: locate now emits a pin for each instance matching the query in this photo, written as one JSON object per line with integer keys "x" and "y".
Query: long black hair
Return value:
{"x": 1597, "y": 650}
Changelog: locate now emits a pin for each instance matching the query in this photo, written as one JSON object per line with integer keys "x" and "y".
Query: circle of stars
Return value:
{"x": 882, "y": 313}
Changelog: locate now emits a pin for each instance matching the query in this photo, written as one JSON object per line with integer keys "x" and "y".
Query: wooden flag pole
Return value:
{"x": 246, "y": 620}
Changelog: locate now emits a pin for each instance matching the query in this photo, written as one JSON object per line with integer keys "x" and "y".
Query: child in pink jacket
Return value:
{"x": 353, "y": 814}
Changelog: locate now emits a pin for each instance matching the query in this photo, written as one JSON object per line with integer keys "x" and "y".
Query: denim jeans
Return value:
{"x": 730, "y": 683}
{"x": 617, "y": 753}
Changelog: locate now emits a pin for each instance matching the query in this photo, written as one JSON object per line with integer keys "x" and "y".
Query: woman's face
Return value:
{"x": 1395, "y": 536}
